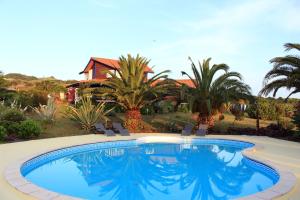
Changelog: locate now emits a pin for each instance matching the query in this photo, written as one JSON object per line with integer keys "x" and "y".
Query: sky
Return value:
{"x": 57, "y": 37}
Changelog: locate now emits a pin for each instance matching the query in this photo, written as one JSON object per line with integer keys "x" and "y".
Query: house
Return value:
{"x": 96, "y": 69}
{"x": 95, "y": 73}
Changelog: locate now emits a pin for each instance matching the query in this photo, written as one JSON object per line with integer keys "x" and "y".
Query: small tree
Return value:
{"x": 87, "y": 114}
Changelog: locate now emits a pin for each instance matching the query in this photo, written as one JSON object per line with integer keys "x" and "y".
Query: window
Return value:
{"x": 112, "y": 71}
{"x": 90, "y": 77}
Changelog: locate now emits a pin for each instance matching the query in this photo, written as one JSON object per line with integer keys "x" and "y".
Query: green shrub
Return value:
{"x": 13, "y": 115}
{"x": 115, "y": 108}
{"x": 286, "y": 124}
{"x": 24, "y": 98}
{"x": 183, "y": 107}
{"x": 32, "y": 98}
{"x": 3, "y": 133}
{"x": 166, "y": 107}
{"x": 271, "y": 109}
{"x": 3, "y": 108}
{"x": 7, "y": 95}
{"x": 29, "y": 128}
{"x": 251, "y": 111}
{"x": 220, "y": 127}
{"x": 147, "y": 110}
{"x": 12, "y": 128}
{"x": 173, "y": 127}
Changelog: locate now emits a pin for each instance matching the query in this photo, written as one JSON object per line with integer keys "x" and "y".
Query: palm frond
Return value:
{"x": 284, "y": 74}
{"x": 289, "y": 46}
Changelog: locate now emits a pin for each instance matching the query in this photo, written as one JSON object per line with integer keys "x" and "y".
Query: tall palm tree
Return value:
{"x": 285, "y": 73}
{"x": 211, "y": 92}
{"x": 132, "y": 89}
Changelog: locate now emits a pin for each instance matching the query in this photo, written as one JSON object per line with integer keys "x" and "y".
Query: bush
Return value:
{"x": 115, "y": 108}
{"x": 147, "y": 110}
{"x": 296, "y": 117}
{"x": 13, "y": 115}
{"x": 173, "y": 127}
{"x": 183, "y": 107}
{"x": 3, "y": 108}
{"x": 29, "y": 128}
{"x": 251, "y": 111}
{"x": 271, "y": 109}
{"x": 220, "y": 127}
{"x": 3, "y": 132}
{"x": 7, "y": 95}
{"x": 166, "y": 107}
{"x": 12, "y": 128}
{"x": 32, "y": 98}
{"x": 286, "y": 124}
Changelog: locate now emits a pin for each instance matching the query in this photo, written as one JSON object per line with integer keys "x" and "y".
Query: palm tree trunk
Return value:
{"x": 257, "y": 116}
{"x": 133, "y": 120}
{"x": 209, "y": 120}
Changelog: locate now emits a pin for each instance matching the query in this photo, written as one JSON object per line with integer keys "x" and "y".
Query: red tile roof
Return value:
{"x": 187, "y": 82}
{"x": 114, "y": 64}
{"x": 93, "y": 80}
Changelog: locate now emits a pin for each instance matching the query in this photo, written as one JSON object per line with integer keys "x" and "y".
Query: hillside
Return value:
{"x": 17, "y": 81}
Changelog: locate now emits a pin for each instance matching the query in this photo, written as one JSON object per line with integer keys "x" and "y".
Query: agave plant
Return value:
{"x": 87, "y": 114}
{"x": 47, "y": 112}
{"x": 285, "y": 73}
{"x": 211, "y": 92}
{"x": 132, "y": 90}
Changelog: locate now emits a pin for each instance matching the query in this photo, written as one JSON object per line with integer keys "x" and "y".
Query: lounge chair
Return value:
{"x": 188, "y": 128}
{"x": 120, "y": 129}
{"x": 202, "y": 130}
{"x": 100, "y": 128}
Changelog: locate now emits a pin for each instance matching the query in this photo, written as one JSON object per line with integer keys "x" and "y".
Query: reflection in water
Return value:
{"x": 169, "y": 171}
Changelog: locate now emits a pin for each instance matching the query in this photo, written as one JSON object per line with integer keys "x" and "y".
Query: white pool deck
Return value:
{"x": 284, "y": 155}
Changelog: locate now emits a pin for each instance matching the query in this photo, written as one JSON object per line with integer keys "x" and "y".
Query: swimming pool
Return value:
{"x": 137, "y": 169}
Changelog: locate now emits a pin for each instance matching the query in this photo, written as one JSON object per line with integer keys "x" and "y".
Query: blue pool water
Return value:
{"x": 129, "y": 170}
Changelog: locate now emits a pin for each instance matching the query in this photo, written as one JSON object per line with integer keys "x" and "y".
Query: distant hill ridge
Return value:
{"x": 23, "y": 77}
{"x": 20, "y": 77}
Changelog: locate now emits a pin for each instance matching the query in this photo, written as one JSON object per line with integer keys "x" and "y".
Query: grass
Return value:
{"x": 158, "y": 123}
{"x": 246, "y": 123}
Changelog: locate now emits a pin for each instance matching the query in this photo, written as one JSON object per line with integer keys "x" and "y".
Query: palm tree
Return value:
{"x": 132, "y": 90}
{"x": 211, "y": 92}
{"x": 285, "y": 73}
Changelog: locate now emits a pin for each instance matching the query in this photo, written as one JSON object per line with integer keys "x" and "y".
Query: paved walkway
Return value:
{"x": 280, "y": 152}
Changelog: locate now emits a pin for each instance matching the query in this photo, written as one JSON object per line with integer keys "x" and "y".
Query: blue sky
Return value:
{"x": 57, "y": 37}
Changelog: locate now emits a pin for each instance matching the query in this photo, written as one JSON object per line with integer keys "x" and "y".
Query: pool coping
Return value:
{"x": 14, "y": 177}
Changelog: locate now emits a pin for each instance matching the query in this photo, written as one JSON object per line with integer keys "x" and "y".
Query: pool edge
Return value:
{"x": 285, "y": 184}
